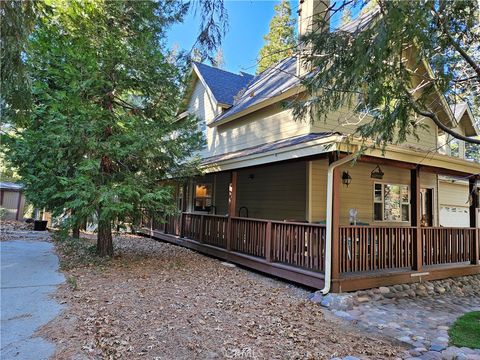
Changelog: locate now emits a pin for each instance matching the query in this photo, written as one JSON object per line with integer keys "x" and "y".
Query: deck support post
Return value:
{"x": 232, "y": 204}
{"x": 472, "y": 190}
{"x": 202, "y": 228}
{"x": 416, "y": 219}
{"x": 268, "y": 242}
{"x": 336, "y": 225}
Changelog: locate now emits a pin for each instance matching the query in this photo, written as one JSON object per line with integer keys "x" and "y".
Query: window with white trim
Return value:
{"x": 391, "y": 202}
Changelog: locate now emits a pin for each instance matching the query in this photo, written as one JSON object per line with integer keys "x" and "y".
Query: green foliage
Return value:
{"x": 472, "y": 152}
{"x": 103, "y": 136}
{"x": 3, "y": 213}
{"x": 72, "y": 281}
{"x": 17, "y": 19}
{"x": 465, "y": 331}
{"x": 280, "y": 40}
{"x": 380, "y": 70}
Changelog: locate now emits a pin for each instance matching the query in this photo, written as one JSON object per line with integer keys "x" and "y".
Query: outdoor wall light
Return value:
{"x": 346, "y": 178}
{"x": 251, "y": 176}
{"x": 377, "y": 173}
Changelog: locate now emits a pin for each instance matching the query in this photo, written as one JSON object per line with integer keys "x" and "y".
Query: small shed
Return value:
{"x": 12, "y": 199}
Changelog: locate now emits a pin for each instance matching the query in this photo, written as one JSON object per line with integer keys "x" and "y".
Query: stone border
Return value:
{"x": 460, "y": 286}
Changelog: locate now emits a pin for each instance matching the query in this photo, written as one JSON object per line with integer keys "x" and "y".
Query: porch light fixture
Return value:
{"x": 377, "y": 173}
{"x": 346, "y": 178}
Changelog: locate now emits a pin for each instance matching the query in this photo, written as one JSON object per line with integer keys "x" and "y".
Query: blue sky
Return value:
{"x": 248, "y": 23}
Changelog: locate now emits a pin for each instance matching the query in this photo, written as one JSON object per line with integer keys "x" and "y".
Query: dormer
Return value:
{"x": 464, "y": 124}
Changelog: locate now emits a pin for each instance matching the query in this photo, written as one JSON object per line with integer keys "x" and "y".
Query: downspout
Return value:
{"x": 329, "y": 224}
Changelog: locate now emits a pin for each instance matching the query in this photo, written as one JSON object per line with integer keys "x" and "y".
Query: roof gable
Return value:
{"x": 272, "y": 82}
{"x": 223, "y": 85}
{"x": 463, "y": 115}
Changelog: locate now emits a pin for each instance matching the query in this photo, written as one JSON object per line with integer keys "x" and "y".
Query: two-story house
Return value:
{"x": 285, "y": 197}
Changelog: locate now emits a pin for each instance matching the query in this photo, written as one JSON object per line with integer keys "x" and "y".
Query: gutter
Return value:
{"x": 329, "y": 224}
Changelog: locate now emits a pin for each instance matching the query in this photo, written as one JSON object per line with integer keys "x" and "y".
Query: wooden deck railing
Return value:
{"x": 215, "y": 230}
{"x": 249, "y": 236}
{"x": 302, "y": 245}
{"x": 447, "y": 245}
{"x": 299, "y": 244}
{"x": 192, "y": 226}
{"x": 172, "y": 226}
{"x": 370, "y": 248}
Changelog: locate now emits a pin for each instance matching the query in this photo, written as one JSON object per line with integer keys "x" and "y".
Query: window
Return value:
{"x": 391, "y": 202}
{"x": 203, "y": 197}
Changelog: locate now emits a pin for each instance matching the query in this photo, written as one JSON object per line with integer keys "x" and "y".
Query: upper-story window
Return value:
{"x": 391, "y": 202}
{"x": 454, "y": 147}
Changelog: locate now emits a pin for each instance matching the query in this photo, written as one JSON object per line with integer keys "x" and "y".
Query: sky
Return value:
{"x": 248, "y": 22}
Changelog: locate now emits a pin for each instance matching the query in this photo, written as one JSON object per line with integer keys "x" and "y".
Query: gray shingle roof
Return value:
{"x": 224, "y": 85}
{"x": 270, "y": 83}
{"x": 274, "y": 145}
{"x": 280, "y": 77}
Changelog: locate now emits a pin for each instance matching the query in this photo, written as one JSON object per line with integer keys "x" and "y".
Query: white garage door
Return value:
{"x": 454, "y": 216}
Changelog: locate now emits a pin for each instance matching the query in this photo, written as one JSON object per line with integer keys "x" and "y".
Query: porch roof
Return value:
{"x": 284, "y": 144}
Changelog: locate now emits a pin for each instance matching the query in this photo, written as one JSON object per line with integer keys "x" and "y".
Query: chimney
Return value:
{"x": 308, "y": 12}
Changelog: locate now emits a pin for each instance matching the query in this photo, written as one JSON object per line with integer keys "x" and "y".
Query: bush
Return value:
{"x": 3, "y": 213}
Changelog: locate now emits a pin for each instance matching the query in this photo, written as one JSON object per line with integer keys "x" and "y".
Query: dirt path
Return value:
{"x": 159, "y": 301}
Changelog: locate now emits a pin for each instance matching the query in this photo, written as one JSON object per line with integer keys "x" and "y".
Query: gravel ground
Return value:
{"x": 160, "y": 301}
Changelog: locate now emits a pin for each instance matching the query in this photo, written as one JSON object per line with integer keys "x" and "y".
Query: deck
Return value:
{"x": 362, "y": 256}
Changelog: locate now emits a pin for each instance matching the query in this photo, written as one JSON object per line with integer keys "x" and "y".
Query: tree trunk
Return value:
{"x": 76, "y": 232}
{"x": 104, "y": 238}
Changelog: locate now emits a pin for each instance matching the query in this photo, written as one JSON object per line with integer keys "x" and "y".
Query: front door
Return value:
{"x": 426, "y": 207}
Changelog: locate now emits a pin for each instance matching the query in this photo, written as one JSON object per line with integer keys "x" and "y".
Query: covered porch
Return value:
{"x": 273, "y": 218}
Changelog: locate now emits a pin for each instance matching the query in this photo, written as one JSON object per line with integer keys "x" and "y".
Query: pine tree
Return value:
{"x": 378, "y": 64}
{"x": 103, "y": 136}
{"x": 280, "y": 40}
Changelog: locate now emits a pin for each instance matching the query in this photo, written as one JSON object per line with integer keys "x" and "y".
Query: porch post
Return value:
{"x": 336, "y": 225}
{"x": 232, "y": 204}
{"x": 183, "y": 209}
{"x": 472, "y": 190}
{"x": 416, "y": 219}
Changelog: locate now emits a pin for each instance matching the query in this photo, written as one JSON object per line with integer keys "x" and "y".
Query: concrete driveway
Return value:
{"x": 29, "y": 276}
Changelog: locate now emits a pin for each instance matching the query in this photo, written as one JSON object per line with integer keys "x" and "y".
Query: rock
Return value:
{"x": 440, "y": 289}
{"x": 363, "y": 299}
{"x": 411, "y": 293}
{"x": 398, "y": 287}
{"x": 349, "y": 357}
{"x": 406, "y": 287}
{"x": 344, "y": 315}
{"x": 405, "y": 338}
{"x": 418, "y": 351}
{"x": 227, "y": 264}
{"x": 337, "y": 301}
{"x": 431, "y": 355}
{"x": 420, "y": 292}
{"x": 437, "y": 347}
{"x": 384, "y": 290}
{"x": 317, "y": 297}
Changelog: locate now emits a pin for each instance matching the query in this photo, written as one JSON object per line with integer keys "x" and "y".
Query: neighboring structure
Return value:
{"x": 282, "y": 196}
{"x": 12, "y": 200}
